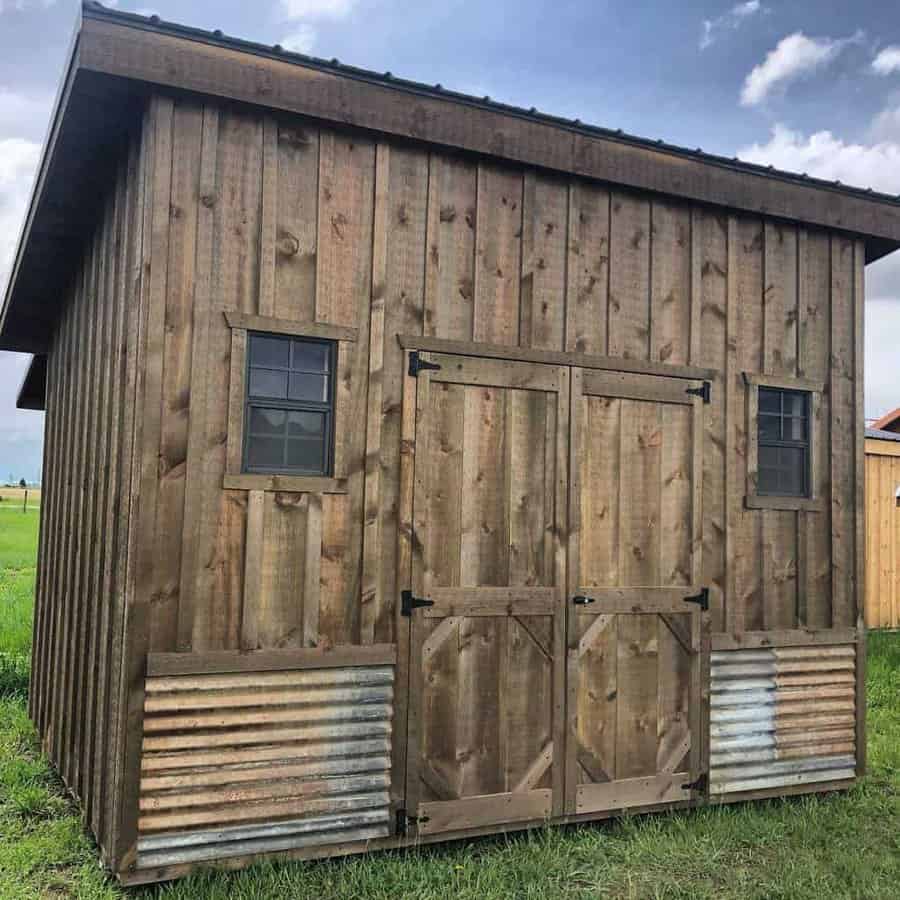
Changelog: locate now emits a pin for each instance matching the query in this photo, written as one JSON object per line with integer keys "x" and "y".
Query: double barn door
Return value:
{"x": 554, "y": 663}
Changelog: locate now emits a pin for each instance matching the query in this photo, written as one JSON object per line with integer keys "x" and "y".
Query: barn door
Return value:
{"x": 486, "y": 723}
{"x": 633, "y": 665}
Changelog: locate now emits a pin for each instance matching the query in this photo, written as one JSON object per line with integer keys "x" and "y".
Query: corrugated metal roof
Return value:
{"x": 878, "y": 435}
{"x": 388, "y": 79}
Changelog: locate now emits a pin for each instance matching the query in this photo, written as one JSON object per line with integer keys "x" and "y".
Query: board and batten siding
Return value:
{"x": 150, "y": 544}
{"x": 275, "y": 217}
{"x": 882, "y": 534}
{"x": 79, "y": 673}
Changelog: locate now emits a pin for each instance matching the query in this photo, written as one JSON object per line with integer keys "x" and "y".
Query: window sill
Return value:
{"x": 766, "y": 501}
{"x": 299, "y": 484}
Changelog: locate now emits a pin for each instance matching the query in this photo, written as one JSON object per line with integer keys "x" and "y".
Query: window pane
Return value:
{"x": 269, "y": 351}
{"x": 267, "y": 421}
{"x": 791, "y": 476}
{"x": 310, "y": 357}
{"x": 769, "y": 427}
{"x": 309, "y": 387}
{"x": 265, "y": 453}
{"x": 306, "y": 424}
{"x": 268, "y": 383}
{"x": 769, "y": 400}
{"x": 794, "y": 404}
{"x": 767, "y": 477}
{"x": 795, "y": 429}
{"x": 305, "y": 454}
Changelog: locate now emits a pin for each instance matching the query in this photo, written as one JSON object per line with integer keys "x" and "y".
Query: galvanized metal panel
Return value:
{"x": 781, "y": 716}
{"x": 260, "y": 762}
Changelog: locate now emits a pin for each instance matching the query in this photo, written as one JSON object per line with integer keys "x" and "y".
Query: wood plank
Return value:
{"x": 783, "y": 638}
{"x": 637, "y": 681}
{"x": 169, "y": 664}
{"x": 543, "y": 259}
{"x": 746, "y": 549}
{"x": 629, "y": 277}
{"x": 496, "y": 373}
{"x": 491, "y": 601}
{"x": 843, "y": 492}
{"x": 552, "y": 357}
{"x": 587, "y": 273}
{"x": 450, "y": 260}
{"x": 637, "y": 387}
{"x": 679, "y": 531}
{"x": 630, "y": 793}
{"x": 312, "y": 591}
{"x": 496, "y": 809}
{"x": 197, "y": 410}
{"x": 498, "y": 238}
{"x": 371, "y": 596}
{"x": 670, "y": 283}
{"x": 268, "y": 217}
{"x": 253, "y": 570}
{"x": 295, "y": 235}
{"x": 274, "y": 325}
{"x": 286, "y": 484}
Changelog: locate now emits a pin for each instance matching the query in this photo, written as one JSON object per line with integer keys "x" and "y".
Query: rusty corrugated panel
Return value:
{"x": 258, "y": 762}
{"x": 782, "y": 716}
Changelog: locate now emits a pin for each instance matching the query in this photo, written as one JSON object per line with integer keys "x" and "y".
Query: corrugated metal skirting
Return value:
{"x": 262, "y": 761}
{"x": 782, "y": 716}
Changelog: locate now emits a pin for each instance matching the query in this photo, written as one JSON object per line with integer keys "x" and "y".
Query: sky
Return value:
{"x": 810, "y": 86}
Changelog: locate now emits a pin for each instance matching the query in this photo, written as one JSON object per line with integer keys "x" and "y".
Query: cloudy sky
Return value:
{"x": 810, "y": 85}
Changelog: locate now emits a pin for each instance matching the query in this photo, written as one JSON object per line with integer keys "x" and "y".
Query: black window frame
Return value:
{"x": 326, "y": 407}
{"x": 804, "y": 444}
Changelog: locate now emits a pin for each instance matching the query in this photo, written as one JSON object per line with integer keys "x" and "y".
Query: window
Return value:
{"x": 783, "y": 442}
{"x": 289, "y": 414}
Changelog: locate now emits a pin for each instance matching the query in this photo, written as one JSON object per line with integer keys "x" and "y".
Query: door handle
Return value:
{"x": 581, "y": 600}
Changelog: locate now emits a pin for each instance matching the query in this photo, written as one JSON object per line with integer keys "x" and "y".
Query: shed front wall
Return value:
{"x": 249, "y": 214}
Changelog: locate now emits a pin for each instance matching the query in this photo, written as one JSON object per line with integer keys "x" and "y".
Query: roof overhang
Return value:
{"x": 33, "y": 392}
{"x": 117, "y": 57}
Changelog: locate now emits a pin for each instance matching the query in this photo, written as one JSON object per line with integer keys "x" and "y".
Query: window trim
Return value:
{"x": 752, "y": 498}
{"x": 240, "y": 324}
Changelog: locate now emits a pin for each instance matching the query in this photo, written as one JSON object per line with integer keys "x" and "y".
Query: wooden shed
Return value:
{"x": 883, "y": 526}
{"x": 418, "y": 467}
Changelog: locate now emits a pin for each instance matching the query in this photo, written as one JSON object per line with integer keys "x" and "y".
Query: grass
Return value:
{"x": 845, "y": 845}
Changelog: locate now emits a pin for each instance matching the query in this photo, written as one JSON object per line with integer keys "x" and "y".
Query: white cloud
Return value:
{"x": 826, "y": 156}
{"x": 18, "y": 162}
{"x": 301, "y": 40}
{"x": 887, "y": 61}
{"x": 731, "y": 20}
{"x": 795, "y": 56}
{"x": 317, "y": 9}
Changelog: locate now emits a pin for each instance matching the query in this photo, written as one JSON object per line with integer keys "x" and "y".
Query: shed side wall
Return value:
{"x": 86, "y": 509}
{"x": 882, "y": 534}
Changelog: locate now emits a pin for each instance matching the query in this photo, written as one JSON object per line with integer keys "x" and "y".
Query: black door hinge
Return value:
{"x": 704, "y": 391}
{"x": 408, "y": 602}
{"x": 701, "y": 785}
{"x": 417, "y": 364}
{"x": 403, "y": 821}
{"x": 701, "y": 599}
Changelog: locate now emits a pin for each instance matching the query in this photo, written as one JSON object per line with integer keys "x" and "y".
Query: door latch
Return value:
{"x": 581, "y": 600}
{"x": 408, "y": 602}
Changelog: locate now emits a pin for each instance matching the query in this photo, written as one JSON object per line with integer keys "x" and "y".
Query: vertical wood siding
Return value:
{"x": 276, "y": 217}
{"x": 223, "y": 209}
{"x": 882, "y": 534}
{"x": 86, "y": 514}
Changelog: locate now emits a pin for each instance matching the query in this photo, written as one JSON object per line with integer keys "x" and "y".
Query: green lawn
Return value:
{"x": 820, "y": 847}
